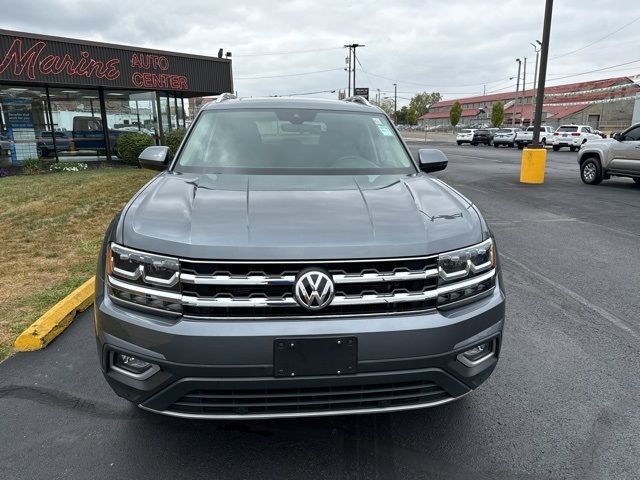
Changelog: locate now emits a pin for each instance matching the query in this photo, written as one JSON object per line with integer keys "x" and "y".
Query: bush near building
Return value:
{"x": 131, "y": 145}
{"x": 174, "y": 139}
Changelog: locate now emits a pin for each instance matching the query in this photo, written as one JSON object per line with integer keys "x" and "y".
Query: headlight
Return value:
{"x": 466, "y": 273}
{"x": 143, "y": 279}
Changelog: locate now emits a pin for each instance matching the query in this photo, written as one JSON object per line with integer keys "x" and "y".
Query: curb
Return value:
{"x": 41, "y": 332}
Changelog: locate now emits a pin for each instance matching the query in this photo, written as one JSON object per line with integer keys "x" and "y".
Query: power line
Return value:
{"x": 310, "y": 93}
{"x": 571, "y": 75}
{"x": 596, "y": 41}
{"x": 291, "y": 52}
{"x": 407, "y": 82}
{"x": 289, "y": 74}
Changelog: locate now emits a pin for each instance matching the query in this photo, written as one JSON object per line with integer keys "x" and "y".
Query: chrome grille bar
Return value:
{"x": 402, "y": 276}
{"x": 338, "y": 300}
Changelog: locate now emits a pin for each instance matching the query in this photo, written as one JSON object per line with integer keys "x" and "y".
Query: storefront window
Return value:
{"x": 131, "y": 111}
{"x": 77, "y": 118}
{"x": 24, "y": 125}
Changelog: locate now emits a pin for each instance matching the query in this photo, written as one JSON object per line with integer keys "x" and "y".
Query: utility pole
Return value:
{"x": 355, "y": 63}
{"x": 544, "y": 55}
{"x": 348, "y": 62}
{"x": 395, "y": 103}
{"x": 535, "y": 78}
{"x": 515, "y": 100}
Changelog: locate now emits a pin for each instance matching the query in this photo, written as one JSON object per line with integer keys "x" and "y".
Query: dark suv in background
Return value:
{"x": 293, "y": 259}
{"x": 482, "y": 136}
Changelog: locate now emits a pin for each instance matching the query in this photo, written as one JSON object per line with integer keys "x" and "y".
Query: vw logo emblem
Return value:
{"x": 314, "y": 290}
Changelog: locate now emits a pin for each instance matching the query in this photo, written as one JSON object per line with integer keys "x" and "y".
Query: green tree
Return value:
{"x": 421, "y": 102}
{"x": 455, "y": 113}
{"x": 497, "y": 114}
{"x": 403, "y": 115}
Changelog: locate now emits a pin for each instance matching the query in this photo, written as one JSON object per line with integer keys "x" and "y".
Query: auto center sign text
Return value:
{"x": 35, "y": 61}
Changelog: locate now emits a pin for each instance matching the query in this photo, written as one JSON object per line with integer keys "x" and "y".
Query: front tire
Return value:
{"x": 511, "y": 145}
{"x": 496, "y": 145}
{"x": 591, "y": 171}
{"x": 637, "y": 180}
{"x": 556, "y": 148}
{"x": 520, "y": 146}
{"x": 459, "y": 143}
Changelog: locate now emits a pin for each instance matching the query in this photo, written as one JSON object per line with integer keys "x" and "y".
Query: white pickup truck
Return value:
{"x": 525, "y": 137}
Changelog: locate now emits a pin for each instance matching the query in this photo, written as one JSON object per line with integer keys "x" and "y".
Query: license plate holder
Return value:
{"x": 295, "y": 357}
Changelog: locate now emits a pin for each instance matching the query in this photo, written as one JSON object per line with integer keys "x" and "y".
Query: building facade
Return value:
{"x": 63, "y": 98}
{"x": 606, "y": 105}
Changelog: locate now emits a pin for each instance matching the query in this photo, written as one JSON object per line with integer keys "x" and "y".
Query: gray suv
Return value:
{"x": 294, "y": 259}
{"x": 611, "y": 157}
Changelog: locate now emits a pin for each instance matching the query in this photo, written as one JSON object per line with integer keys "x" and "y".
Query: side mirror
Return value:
{"x": 618, "y": 136}
{"x": 432, "y": 160}
{"x": 154, "y": 158}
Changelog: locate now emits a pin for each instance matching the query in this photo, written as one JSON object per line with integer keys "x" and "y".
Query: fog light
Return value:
{"x": 132, "y": 366}
{"x": 477, "y": 354}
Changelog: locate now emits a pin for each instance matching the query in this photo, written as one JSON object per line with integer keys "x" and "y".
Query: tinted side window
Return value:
{"x": 632, "y": 135}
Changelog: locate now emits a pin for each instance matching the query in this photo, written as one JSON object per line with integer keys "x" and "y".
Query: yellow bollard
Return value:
{"x": 533, "y": 164}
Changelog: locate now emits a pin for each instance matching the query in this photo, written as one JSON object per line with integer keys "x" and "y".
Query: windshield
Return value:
{"x": 466, "y": 130}
{"x": 290, "y": 141}
{"x": 504, "y": 130}
{"x": 567, "y": 129}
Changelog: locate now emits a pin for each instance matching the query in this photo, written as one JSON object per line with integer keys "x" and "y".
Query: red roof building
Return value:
{"x": 604, "y": 103}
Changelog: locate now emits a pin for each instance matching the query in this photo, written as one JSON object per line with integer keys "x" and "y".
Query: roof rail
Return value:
{"x": 358, "y": 99}
{"x": 225, "y": 96}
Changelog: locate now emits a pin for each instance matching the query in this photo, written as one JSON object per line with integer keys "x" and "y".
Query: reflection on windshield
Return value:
{"x": 293, "y": 141}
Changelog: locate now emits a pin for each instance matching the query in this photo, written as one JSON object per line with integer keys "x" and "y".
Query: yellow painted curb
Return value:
{"x": 52, "y": 323}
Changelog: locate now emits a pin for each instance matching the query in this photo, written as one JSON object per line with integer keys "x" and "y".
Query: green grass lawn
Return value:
{"x": 51, "y": 227}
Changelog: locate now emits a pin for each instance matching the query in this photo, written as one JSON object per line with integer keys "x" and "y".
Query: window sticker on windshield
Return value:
{"x": 384, "y": 130}
{"x": 376, "y": 120}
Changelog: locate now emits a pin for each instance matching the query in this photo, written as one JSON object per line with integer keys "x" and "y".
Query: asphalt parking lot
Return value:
{"x": 562, "y": 404}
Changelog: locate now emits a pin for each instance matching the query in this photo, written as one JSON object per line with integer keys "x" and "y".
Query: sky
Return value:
{"x": 456, "y": 47}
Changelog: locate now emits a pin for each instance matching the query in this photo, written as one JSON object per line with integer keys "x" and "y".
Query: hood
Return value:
{"x": 266, "y": 217}
{"x": 605, "y": 142}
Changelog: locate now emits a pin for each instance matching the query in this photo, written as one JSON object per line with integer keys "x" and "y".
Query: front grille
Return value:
{"x": 308, "y": 400}
{"x": 264, "y": 289}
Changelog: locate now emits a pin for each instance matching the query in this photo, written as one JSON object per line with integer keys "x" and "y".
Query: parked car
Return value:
{"x": 611, "y": 157}
{"x": 601, "y": 133}
{"x": 482, "y": 136}
{"x": 270, "y": 276}
{"x": 44, "y": 141}
{"x": 525, "y": 137}
{"x": 465, "y": 136}
{"x": 505, "y": 136}
{"x": 573, "y": 136}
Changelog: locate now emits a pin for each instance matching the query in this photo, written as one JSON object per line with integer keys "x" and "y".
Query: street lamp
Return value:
{"x": 515, "y": 100}
{"x": 536, "y": 48}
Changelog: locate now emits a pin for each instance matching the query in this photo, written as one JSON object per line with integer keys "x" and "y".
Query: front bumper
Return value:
{"x": 225, "y": 369}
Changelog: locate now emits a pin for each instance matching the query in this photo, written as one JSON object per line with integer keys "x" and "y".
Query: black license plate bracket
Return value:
{"x": 295, "y": 357}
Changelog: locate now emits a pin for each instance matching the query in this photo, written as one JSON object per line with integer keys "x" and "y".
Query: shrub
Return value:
{"x": 131, "y": 145}
{"x": 173, "y": 139}
{"x": 32, "y": 166}
{"x": 68, "y": 167}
